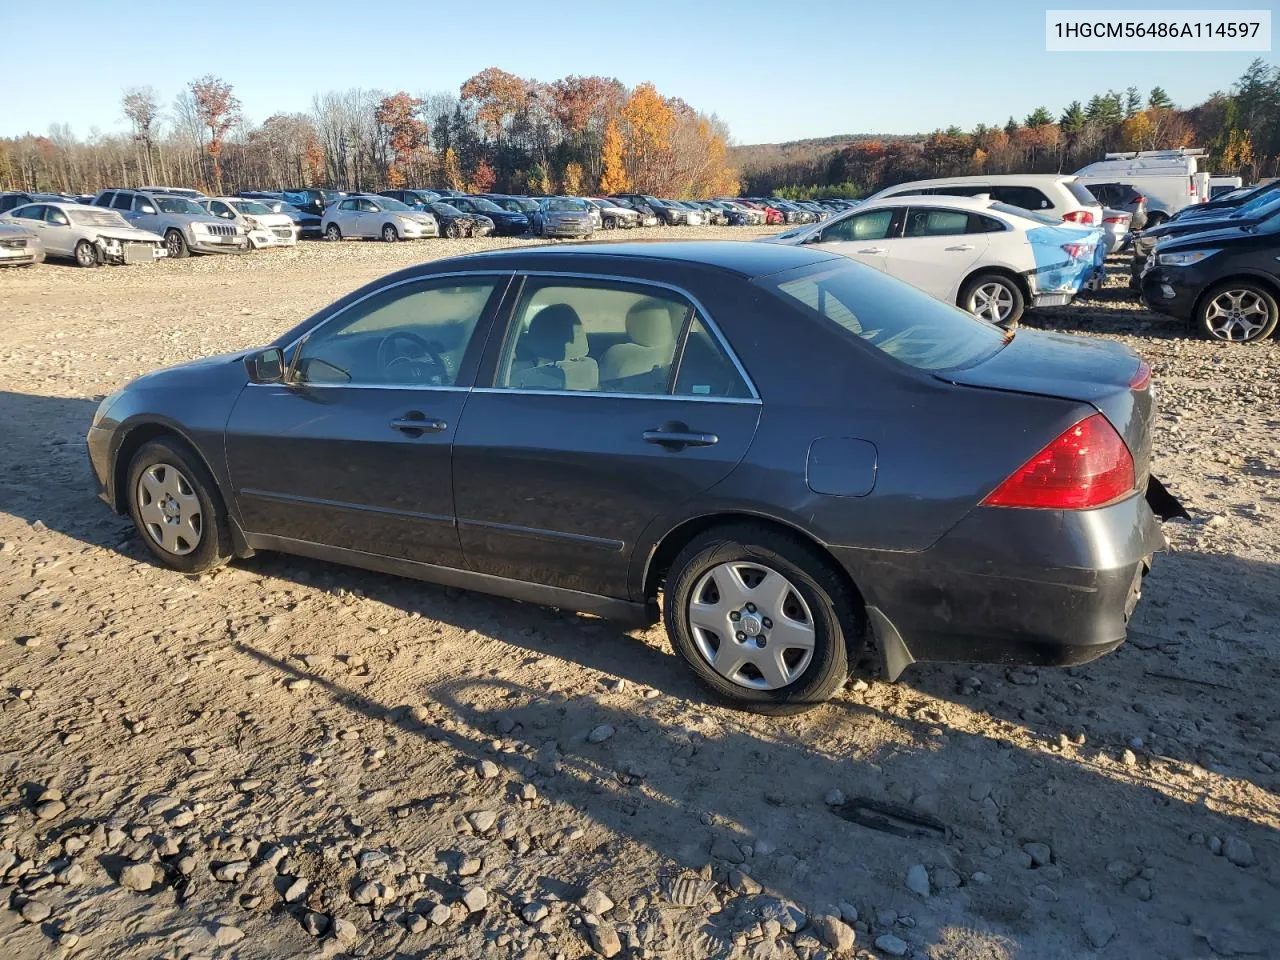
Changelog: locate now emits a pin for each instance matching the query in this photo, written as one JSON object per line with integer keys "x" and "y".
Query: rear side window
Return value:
{"x": 104, "y": 200}
{"x": 123, "y": 201}
{"x": 896, "y": 319}
{"x": 923, "y": 222}
{"x": 1077, "y": 190}
{"x": 981, "y": 224}
{"x": 1029, "y": 198}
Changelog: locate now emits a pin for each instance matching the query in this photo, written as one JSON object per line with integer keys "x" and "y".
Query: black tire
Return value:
{"x": 970, "y": 293}
{"x": 454, "y": 230}
{"x": 609, "y": 223}
{"x": 175, "y": 244}
{"x": 1247, "y": 293}
{"x": 213, "y": 547}
{"x": 837, "y": 618}
{"x": 86, "y": 254}
{"x": 333, "y": 233}
{"x": 389, "y": 233}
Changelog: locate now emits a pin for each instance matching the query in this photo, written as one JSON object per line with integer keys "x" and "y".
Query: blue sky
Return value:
{"x": 775, "y": 71}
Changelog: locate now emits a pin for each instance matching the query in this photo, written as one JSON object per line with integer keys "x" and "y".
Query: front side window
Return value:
{"x": 923, "y": 222}
{"x": 367, "y": 206}
{"x": 413, "y": 335}
{"x": 872, "y": 225}
{"x": 56, "y": 217}
{"x": 609, "y": 337}
{"x": 142, "y": 205}
{"x": 894, "y": 318}
{"x": 347, "y": 205}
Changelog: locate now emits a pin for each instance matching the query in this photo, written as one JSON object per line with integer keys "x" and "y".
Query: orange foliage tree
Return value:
{"x": 650, "y": 125}
{"x": 482, "y": 177}
{"x": 497, "y": 96}
{"x": 218, "y": 111}
{"x": 406, "y": 134}
{"x": 613, "y": 178}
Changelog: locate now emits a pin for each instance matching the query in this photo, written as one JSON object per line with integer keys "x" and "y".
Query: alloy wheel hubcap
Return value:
{"x": 1236, "y": 315}
{"x": 992, "y": 301}
{"x": 751, "y": 625}
{"x": 170, "y": 509}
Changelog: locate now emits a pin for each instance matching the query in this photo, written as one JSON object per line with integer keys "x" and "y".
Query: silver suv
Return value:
{"x": 186, "y": 227}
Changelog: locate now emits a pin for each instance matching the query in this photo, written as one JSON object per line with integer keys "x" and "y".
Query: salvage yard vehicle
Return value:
{"x": 1116, "y": 228}
{"x": 800, "y": 455}
{"x": 562, "y": 217}
{"x": 88, "y": 235}
{"x": 418, "y": 199}
{"x": 1053, "y": 194}
{"x": 312, "y": 200}
{"x": 186, "y": 226}
{"x": 306, "y": 225}
{"x": 373, "y": 217}
{"x": 506, "y": 223}
{"x": 19, "y": 245}
{"x": 1224, "y": 283}
{"x": 1263, "y": 209}
{"x": 455, "y": 224}
{"x": 263, "y": 228}
{"x": 1171, "y": 180}
{"x": 614, "y": 216}
{"x": 989, "y": 258}
{"x": 1121, "y": 196}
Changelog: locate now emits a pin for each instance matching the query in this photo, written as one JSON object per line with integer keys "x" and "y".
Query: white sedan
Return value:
{"x": 989, "y": 258}
{"x": 87, "y": 235}
{"x": 371, "y": 216}
{"x": 264, "y": 228}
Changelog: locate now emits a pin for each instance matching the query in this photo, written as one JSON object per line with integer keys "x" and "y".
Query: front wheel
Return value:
{"x": 454, "y": 230}
{"x": 333, "y": 233}
{"x": 175, "y": 244}
{"x": 86, "y": 255}
{"x": 174, "y": 504}
{"x": 994, "y": 298}
{"x": 389, "y": 233}
{"x": 763, "y": 620}
{"x": 1238, "y": 311}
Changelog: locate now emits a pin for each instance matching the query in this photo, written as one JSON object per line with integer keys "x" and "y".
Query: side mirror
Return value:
{"x": 265, "y": 366}
{"x": 815, "y": 237}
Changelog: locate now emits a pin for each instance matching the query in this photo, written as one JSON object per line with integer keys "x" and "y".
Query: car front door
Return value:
{"x": 367, "y": 218}
{"x": 57, "y": 235}
{"x": 354, "y": 451}
{"x": 611, "y": 402}
{"x": 862, "y": 236}
{"x": 936, "y": 251}
{"x": 143, "y": 215}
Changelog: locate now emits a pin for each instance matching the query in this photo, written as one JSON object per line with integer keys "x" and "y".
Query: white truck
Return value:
{"x": 1169, "y": 179}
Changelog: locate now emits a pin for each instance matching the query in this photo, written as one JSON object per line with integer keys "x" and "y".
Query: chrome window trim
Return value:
{"x": 522, "y": 391}
{"x": 365, "y": 386}
{"x": 702, "y": 312}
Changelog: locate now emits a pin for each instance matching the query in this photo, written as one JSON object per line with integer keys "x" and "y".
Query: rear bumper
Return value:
{"x": 1038, "y": 587}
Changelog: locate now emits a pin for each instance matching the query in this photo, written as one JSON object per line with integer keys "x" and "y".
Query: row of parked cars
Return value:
{"x": 145, "y": 223}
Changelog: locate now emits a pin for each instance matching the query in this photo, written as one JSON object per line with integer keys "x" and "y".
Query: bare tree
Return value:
{"x": 219, "y": 111}
{"x": 142, "y": 107}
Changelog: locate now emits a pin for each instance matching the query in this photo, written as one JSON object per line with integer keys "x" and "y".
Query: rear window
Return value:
{"x": 1010, "y": 210}
{"x": 1077, "y": 190}
{"x": 897, "y": 319}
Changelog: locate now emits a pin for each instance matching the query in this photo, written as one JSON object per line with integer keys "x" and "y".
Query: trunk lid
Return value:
{"x": 1096, "y": 372}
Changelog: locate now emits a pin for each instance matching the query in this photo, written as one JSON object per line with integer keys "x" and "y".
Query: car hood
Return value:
{"x": 181, "y": 373}
{"x": 1197, "y": 225}
{"x": 129, "y": 233}
{"x": 1202, "y": 238}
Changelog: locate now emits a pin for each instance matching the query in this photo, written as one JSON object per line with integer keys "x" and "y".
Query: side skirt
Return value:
{"x": 610, "y": 608}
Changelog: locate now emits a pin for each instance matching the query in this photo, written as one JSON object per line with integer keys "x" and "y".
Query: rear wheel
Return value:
{"x": 762, "y": 619}
{"x": 175, "y": 244}
{"x": 333, "y": 233}
{"x": 389, "y": 233}
{"x": 609, "y": 223}
{"x": 994, "y": 298}
{"x": 1238, "y": 311}
{"x": 86, "y": 255}
{"x": 454, "y": 230}
{"x": 174, "y": 504}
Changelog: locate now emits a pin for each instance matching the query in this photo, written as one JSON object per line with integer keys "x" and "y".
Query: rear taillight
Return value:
{"x": 1191, "y": 187}
{"x": 1120, "y": 219}
{"x": 1078, "y": 216}
{"x": 1087, "y": 466}
{"x": 1075, "y": 251}
{"x": 1139, "y": 199}
{"x": 1141, "y": 377}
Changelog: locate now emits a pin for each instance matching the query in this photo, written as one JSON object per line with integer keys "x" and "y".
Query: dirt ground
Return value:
{"x": 290, "y": 759}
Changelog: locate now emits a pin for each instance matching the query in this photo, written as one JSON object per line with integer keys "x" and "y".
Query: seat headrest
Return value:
{"x": 556, "y": 333}
{"x": 649, "y": 323}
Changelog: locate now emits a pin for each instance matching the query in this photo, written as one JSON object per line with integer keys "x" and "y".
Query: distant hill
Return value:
{"x": 753, "y": 157}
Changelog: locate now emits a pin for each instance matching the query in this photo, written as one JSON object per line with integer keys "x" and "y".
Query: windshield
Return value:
{"x": 1012, "y": 211}
{"x": 96, "y": 218}
{"x": 448, "y": 209}
{"x": 565, "y": 203}
{"x": 180, "y": 205}
{"x": 1260, "y": 206}
{"x": 386, "y": 203}
{"x": 897, "y": 319}
{"x": 251, "y": 208}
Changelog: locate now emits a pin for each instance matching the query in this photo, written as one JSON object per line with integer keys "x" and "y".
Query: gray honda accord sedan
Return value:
{"x": 805, "y": 459}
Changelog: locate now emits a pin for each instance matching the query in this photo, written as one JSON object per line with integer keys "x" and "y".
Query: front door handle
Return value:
{"x": 676, "y": 436}
{"x": 877, "y": 250}
{"x": 414, "y": 424}
{"x": 961, "y": 246}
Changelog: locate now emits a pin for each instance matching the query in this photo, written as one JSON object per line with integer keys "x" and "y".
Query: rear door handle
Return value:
{"x": 415, "y": 424}
{"x": 678, "y": 435}
{"x": 961, "y": 246}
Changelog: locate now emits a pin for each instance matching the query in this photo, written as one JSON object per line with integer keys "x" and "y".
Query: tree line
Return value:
{"x": 1240, "y": 128}
{"x": 498, "y": 132}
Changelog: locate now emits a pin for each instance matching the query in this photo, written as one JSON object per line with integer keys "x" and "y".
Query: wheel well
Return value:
{"x": 1005, "y": 272}
{"x": 1267, "y": 283}
{"x": 676, "y": 540}
{"x": 133, "y": 441}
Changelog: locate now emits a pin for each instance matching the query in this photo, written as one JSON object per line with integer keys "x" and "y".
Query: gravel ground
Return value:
{"x": 287, "y": 758}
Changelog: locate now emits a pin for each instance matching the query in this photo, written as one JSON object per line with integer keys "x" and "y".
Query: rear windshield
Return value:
{"x": 1081, "y": 194}
{"x": 564, "y": 203}
{"x": 891, "y": 316}
{"x": 1026, "y": 214}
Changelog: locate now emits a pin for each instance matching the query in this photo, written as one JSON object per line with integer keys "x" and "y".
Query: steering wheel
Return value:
{"x": 425, "y": 364}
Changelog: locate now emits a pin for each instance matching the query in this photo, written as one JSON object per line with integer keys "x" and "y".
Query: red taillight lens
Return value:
{"x": 1075, "y": 250}
{"x": 1141, "y": 377}
{"x": 1087, "y": 466}
{"x": 1078, "y": 216}
{"x": 1139, "y": 199}
{"x": 1123, "y": 219}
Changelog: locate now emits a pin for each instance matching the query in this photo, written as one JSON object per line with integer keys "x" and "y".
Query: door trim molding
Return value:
{"x": 538, "y": 533}
{"x": 339, "y": 505}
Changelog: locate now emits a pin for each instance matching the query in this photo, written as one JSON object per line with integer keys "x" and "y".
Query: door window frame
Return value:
{"x": 502, "y": 329}
{"x": 471, "y": 357}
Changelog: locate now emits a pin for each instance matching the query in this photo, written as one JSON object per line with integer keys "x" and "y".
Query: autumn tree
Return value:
{"x": 571, "y": 179}
{"x": 406, "y": 134}
{"x": 218, "y": 110}
{"x": 497, "y": 96}
{"x": 482, "y": 177}
{"x": 451, "y": 171}
{"x": 650, "y": 124}
{"x": 613, "y": 177}
{"x": 142, "y": 107}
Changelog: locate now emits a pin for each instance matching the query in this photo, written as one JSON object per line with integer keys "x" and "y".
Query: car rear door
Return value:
{"x": 354, "y": 452}
{"x": 610, "y": 402}
{"x": 936, "y": 250}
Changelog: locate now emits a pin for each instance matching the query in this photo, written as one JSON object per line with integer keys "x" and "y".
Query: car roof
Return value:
{"x": 746, "y": 258}
{"x": 933, "y": 199}
{"x": 1003, "y": 179}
